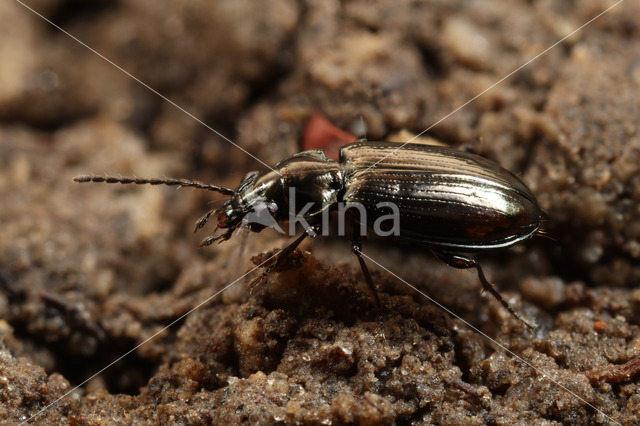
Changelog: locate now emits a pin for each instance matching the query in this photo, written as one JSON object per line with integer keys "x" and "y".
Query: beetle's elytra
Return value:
{"x": 447, "y": 200}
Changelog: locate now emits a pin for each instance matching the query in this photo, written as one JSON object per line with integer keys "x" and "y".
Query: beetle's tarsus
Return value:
{"x": 203, "y": 220}
{"x": 218, "y": 238}
{"x": 257, "y": 280}
{"x": 209, "y": 240}
{"x": 380, "y": 329}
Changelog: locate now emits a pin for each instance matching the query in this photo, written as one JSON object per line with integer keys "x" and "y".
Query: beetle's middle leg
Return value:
{"x": 356, "y": 248}
{"x": 462, "y": 262}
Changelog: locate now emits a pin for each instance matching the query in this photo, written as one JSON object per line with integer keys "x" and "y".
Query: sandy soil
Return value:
{"x": 89, "y": 273}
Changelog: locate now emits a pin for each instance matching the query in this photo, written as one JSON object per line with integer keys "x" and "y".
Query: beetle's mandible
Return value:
{"x": 449, "y": 201}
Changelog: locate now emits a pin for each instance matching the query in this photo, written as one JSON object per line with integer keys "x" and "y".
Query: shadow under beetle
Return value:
{"x": 448, "y": 200}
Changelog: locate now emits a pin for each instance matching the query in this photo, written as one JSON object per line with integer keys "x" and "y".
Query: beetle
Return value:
{"x": 447, "y": 200}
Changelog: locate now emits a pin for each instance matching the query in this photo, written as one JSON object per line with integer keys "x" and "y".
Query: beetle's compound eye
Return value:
{"x": 223, "y": 220}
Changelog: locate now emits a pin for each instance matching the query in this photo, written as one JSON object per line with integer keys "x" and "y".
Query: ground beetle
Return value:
{"x": 448, "y": 200}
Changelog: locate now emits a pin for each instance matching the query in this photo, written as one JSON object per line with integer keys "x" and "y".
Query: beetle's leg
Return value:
{"x": 283, "y": 254}
{"x": 356, "y": 248}
{"x": 203, "y": 220}
{"x": 462, "y": 262}
{"x": 220, "y": 238}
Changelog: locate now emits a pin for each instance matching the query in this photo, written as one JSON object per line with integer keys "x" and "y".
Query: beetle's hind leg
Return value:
{"x": 462, "y": 262}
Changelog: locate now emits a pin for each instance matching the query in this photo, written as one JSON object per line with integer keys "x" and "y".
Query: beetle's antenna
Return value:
{"x": 541, "y": 231}
{"x": 165, "y": 181}
{"x": 545, "y": 234}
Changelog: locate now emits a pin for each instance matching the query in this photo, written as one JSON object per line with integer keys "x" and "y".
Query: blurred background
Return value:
{"x": 89, "y": 271}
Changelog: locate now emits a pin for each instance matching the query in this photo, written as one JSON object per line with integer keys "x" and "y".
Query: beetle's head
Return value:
{"x": 254, "y": 204}
{"x": 304, "y": 184}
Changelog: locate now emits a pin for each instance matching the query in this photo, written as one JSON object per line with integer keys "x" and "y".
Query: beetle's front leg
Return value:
{"x": 283, "y": 254}
{"x": 462, "y": 262}
{"x": 219, "y": 238}
{"x": 203, "y": 220}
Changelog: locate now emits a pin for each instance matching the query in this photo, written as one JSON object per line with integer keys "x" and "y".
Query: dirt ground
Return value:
{"x": 91, "y": 274}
